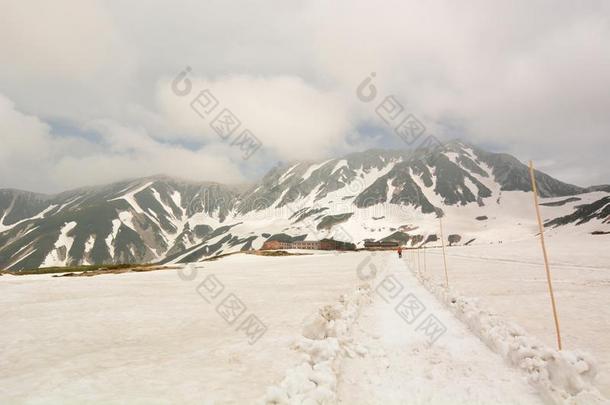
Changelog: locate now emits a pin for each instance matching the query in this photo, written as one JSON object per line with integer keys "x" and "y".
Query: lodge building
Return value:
{"x": 324, "y": 244}
{"x": 382, "y": 245}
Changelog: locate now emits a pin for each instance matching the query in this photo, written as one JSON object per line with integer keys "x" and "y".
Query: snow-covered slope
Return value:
{"x": 483, "y": 197}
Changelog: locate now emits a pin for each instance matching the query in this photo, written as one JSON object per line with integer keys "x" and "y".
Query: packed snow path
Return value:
{"x": 400, "y": 365}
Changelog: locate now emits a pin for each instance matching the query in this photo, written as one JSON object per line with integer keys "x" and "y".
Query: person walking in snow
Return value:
{"x": 399, "y": 252}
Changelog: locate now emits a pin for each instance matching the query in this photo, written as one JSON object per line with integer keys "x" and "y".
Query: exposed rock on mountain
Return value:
{"x": 375, "y": 194}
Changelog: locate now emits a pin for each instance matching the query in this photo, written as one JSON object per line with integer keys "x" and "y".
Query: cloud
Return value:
{"x": 292, "y": 119}
{"x": 63, "y": 59}
{"x": 532, "y": 79}
{"x": 33, "y": 157}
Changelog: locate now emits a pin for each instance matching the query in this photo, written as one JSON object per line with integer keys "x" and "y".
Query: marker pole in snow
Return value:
{"x": 444, "y": 256}
{"x": 425, "y": 269}
{"x": 546, "y": 259}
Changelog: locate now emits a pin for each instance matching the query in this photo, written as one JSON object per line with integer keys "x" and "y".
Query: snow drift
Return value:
{"x": 324, "y": 341}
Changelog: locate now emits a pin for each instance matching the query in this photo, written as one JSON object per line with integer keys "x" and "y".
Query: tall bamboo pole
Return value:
{"x": 546, "y": 259}
{"x": 444, "y": 256}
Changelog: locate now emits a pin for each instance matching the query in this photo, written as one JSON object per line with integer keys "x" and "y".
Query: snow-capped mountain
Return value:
{"x": 483, "y": 197}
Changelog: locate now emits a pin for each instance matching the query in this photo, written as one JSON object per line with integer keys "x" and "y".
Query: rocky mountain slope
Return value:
{"x": 369, "y": 195}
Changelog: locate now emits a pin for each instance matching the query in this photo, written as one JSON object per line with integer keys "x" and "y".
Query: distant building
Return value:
{"x": 275, "y": 245}
{"x": 324, "y": 244}
{"x": 331, "y": 244}
{"x": 306, "y": 244}
{"x": 387, "y": 244}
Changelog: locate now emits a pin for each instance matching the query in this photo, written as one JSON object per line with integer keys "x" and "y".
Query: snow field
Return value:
{"x": 324, "y": 342}
{"x": 332, "y": 337}
{"x": 564, "y": 377}
{"x": 509, "y": 279}
{"x": 150, "y": 338}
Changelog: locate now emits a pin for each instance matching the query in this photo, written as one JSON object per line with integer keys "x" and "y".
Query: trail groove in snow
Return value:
{"x": 399, "y": 365}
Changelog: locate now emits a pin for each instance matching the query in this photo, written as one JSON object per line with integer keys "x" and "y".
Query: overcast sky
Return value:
{"x": 86, "y": 86}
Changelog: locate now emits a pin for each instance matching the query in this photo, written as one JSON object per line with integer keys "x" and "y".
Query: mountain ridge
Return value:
{"x": 163, "y": 219}
{"x": 161, "y": 176}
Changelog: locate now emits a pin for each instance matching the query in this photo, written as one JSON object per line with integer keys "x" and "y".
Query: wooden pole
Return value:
{"x": 425, "y": 267}
{"x": 444, "y": 256}
{"x": 546, "y": 259}
{"x": 418, "y": 264}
